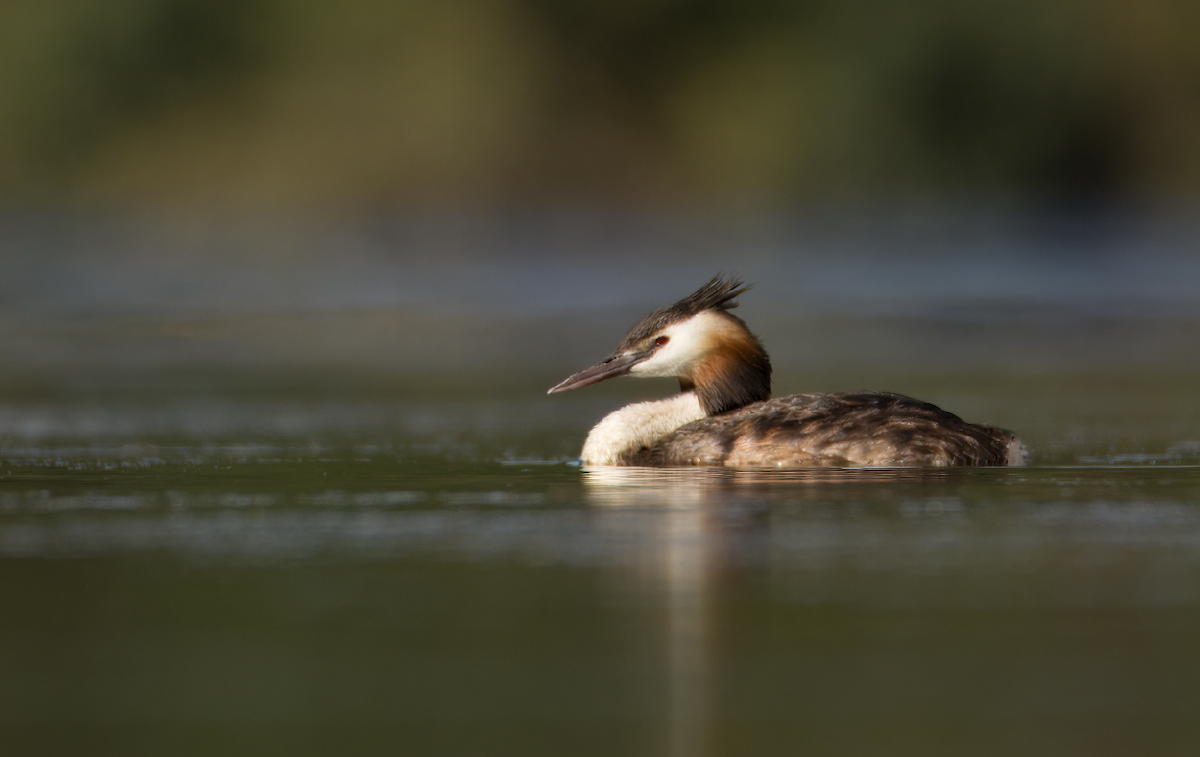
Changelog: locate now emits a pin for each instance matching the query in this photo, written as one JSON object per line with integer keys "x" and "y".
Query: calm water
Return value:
{"x": 329, "y": 523}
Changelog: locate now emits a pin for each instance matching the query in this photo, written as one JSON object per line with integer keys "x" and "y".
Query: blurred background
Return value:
{"x": 480, "y": 196}
{"x": 296, "y": 107}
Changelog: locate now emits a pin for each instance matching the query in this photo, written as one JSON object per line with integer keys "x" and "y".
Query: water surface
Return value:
{"x": 245, "y": 516}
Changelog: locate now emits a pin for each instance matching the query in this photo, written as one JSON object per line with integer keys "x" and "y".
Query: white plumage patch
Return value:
{"x": 642, "y": 424}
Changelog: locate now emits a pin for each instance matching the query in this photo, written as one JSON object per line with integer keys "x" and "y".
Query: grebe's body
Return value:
{"x": 724, "y": 413}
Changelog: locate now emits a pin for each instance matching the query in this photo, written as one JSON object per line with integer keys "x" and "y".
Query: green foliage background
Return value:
{"x": 366, "y": 103}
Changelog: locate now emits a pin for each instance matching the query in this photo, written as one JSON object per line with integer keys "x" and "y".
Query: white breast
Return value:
{"x": 636, "y": 426}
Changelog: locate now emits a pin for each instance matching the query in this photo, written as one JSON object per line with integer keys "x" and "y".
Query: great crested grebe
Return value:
{"x": 724, "y": 413}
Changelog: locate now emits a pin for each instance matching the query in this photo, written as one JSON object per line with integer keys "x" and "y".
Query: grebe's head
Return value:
{"x": 698, "y": 340}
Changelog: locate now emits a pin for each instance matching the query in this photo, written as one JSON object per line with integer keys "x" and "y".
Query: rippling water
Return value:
{"x": 448, "y": 585}
{"x": 307, "y": 530}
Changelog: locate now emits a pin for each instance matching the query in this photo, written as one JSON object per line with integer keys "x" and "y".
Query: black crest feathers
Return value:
{"x": 717, "y": 294}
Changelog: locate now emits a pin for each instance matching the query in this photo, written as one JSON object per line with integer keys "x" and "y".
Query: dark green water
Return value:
{"x": 444, "y": 581}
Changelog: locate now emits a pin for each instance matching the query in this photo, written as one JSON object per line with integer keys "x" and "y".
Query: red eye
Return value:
{"x": 661, "y": 341}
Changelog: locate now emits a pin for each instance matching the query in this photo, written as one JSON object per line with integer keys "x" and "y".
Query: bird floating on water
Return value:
{"x": 724, "y": 413}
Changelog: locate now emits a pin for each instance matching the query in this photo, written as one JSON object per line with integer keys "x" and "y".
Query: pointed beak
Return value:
{"x": 617, "y": 365}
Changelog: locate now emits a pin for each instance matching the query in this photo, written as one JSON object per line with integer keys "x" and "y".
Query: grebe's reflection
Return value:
{"x": 686, "y": 552}
{"x": 621, "y": 485}
{"x": 678, "y": 561}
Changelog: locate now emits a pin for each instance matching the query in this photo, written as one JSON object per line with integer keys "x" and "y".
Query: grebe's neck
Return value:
{"x": 736, "y": 373}
{"x": 634, "y": 427}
